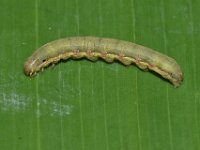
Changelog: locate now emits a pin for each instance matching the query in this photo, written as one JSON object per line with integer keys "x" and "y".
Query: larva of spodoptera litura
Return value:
{"x": 108, "y": 49}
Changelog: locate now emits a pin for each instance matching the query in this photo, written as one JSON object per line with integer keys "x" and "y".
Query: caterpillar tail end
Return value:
{"x": 177, "y": 83}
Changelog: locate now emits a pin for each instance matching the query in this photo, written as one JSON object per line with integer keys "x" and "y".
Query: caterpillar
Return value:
{"x": 108, "y": 49}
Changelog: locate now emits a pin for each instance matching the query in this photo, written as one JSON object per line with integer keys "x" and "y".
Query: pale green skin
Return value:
{"x": 108, "y": 49}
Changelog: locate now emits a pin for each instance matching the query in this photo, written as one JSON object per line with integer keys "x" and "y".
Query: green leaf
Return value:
{"x": 81, "y": 105}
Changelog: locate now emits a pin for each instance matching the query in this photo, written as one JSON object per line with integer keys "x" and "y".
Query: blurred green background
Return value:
{"x": 80, "y": 105}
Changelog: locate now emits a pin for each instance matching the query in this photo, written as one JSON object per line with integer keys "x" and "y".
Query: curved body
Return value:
{"x": 107, "y": 49}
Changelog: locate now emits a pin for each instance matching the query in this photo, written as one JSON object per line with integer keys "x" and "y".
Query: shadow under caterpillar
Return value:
{"x": 108, "y": 49}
